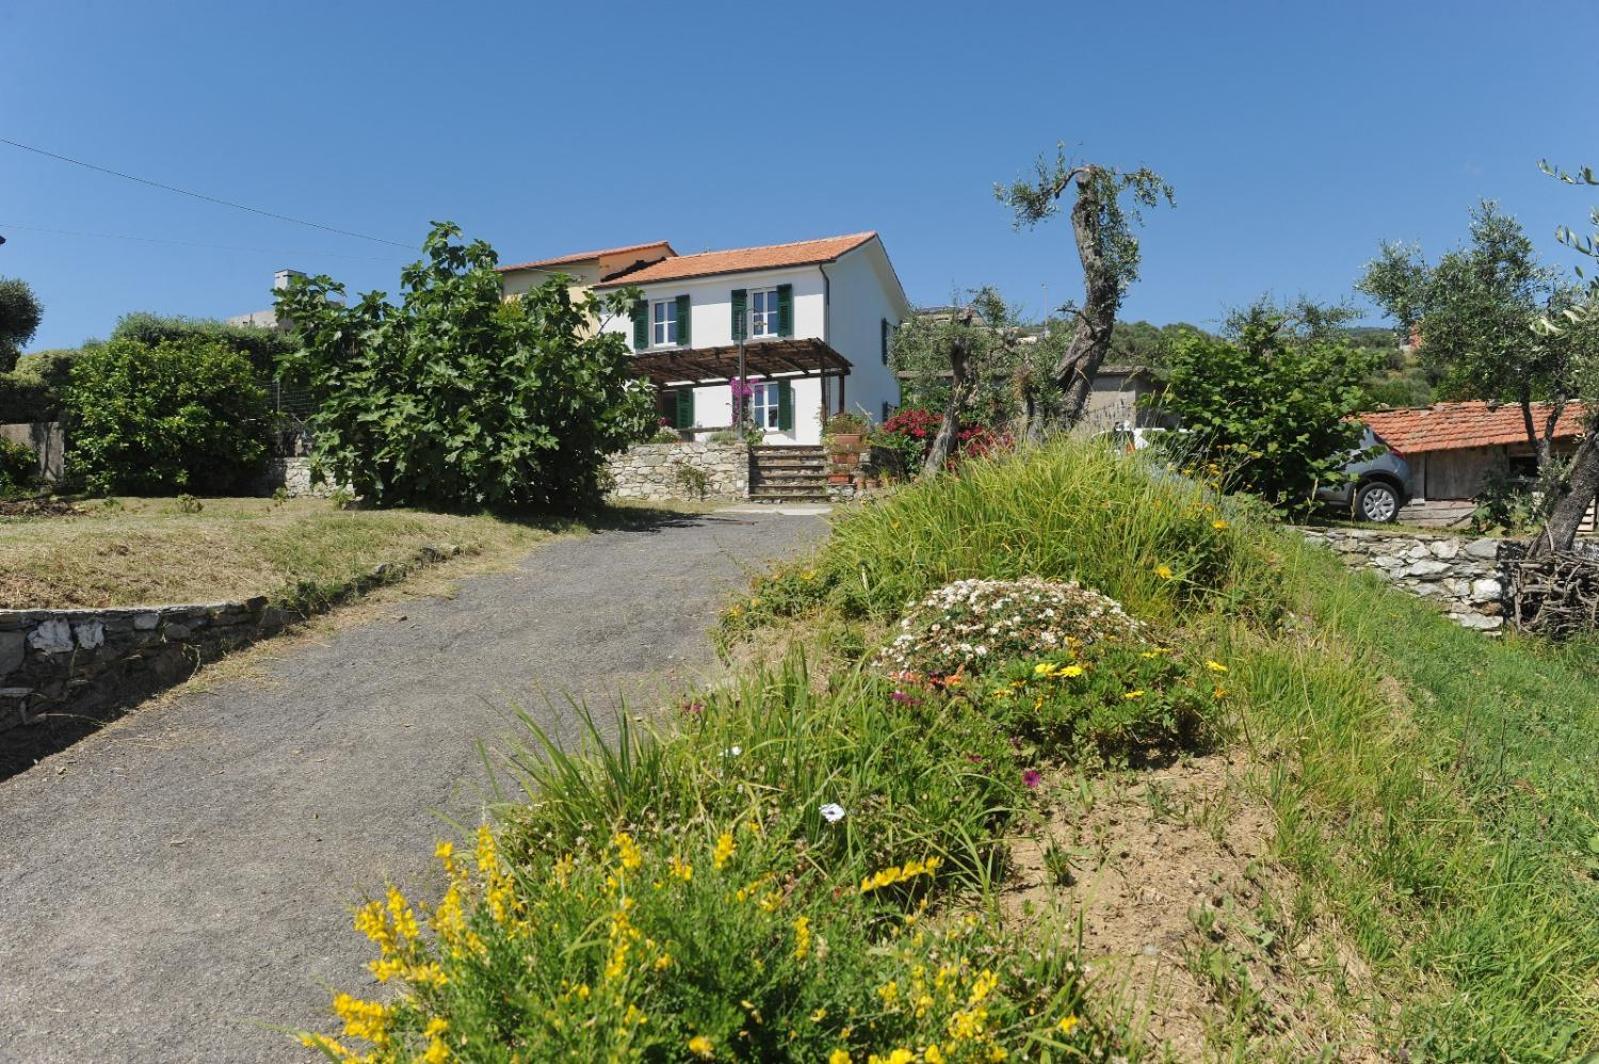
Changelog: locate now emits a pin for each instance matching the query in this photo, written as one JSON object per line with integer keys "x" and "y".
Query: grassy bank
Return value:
{"x": 124, "y": 552}
{"x": 814, "y": 867}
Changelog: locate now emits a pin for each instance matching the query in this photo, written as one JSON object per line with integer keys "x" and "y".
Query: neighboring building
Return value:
{"x": 1453, "y": 448}
{"x": 1117, "y": 401}
{"x": 818, "y": 316}
{"x": 585, "y": 268}
{"x": 268, "y": 319}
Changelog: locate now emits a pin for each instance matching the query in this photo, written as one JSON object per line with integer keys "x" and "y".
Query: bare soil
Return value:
{"x": 1208, "y": 947}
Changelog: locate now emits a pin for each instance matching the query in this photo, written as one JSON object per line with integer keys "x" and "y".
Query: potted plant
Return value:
{"x": 845, "y": 433}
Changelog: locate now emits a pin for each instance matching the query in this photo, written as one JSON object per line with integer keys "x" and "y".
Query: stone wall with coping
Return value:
{"x": 653, "y": 471}
{"x": 1465, "y": 577}
{"x": 53, "y": 660}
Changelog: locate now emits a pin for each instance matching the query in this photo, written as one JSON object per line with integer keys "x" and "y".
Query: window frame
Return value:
{"x": 765, "y": 396}
{"x": 769, "y": 296}
{"x": 673, "y": 326}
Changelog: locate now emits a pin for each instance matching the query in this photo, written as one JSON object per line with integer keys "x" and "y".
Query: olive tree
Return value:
{"x": 1102, "y": 228}
{"x": 20, "y": 315}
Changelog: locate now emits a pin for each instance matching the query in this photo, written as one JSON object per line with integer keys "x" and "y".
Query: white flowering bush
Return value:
{"x": 973, "y": 625}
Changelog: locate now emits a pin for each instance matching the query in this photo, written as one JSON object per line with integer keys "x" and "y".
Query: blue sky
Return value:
{"x": 1297, "y": 137}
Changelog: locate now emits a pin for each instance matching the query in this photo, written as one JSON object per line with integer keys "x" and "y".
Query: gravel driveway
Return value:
{"x": 179, "y": 886}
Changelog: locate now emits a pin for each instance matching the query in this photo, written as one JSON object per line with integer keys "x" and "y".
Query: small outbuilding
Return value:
{"x": 1454, "y": 448}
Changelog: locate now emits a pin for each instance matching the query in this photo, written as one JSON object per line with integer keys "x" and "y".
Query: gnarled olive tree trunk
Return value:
{"x": 1560, "y": 531}
{"x": 1102, "y": 294}
{"x": 959, "y": 384}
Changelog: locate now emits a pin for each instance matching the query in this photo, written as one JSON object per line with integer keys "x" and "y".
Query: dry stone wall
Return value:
{"x": 53, "y": 660}
{"x": 664, "y": 471}
{"x": 1465, "y": 577}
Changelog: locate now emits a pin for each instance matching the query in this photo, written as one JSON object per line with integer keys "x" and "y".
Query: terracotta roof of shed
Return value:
{"x": 1452, "y": 426}
{"x": 738, "y": 260}
{"x": 584, "y": 256}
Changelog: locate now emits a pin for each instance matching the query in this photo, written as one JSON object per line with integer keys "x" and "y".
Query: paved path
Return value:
{"x": 183, "y": 890}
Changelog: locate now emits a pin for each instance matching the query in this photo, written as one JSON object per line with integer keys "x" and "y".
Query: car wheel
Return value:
{"x": 1377, "y": 502}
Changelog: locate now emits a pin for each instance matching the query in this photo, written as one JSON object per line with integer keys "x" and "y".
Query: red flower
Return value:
{"x": 1032, "y": 777}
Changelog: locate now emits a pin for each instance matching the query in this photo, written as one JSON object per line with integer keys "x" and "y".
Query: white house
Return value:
{"x": 817, "y": 318}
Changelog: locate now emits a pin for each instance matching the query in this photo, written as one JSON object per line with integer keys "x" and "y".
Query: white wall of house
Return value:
{"x": 865, "y": 293}
{"x": 843, "y": 303}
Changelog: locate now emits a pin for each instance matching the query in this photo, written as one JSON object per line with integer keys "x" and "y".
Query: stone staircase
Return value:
{"x": 783, "y": 473}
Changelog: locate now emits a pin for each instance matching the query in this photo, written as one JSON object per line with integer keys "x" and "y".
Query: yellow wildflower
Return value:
{"x": 1043, "y": 668}
{"x": 899, "y": 1056}
{"x": 1219, "y": 525}
{"x": 437, "y": 1052}
{"x": 1215, "y": 666}
{"x": 663, "y": 962}
{"x": 562, "y": 870}
{"x": 724, "y": 849}
{"x": 1219, "y": 693}
{"x": 1071, "y": 670}
{"x": 838, "y": 1056}
{"x": 627, "y": 851}
{"x": 933, "y": 1055}
{"x": 701, "y": 1047}
{"x": 363, "y": 1019}
{"x": 404, "y": 918}
{"x": 445, "y": 852}
{"x": 1067, "y": 1025}
{"x": 889, "y": 992}
{"x": 982, "y": 986}
{"x": 681, "y": 869}
{"x": 819, "y": 1015}
{"x": 802, "y": 938}
{"x": 487, "y": 859}
{"x": 998, "y": 1053}
{"x": 1131, "y": 695}
{"x": 1163, "y": 571}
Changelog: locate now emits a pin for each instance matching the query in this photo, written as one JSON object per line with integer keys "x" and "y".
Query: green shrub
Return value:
{"x": 263, "y": 347}
{"x": 174, "y": 417}
{"x": 19, "y": 469}
{"x": 458, "y": 399}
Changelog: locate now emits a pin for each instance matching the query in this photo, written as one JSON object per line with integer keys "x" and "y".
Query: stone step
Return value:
{"x": 791, "y": 467}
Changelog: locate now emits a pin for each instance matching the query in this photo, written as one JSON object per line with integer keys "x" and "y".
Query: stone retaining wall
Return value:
{"x": 293, "y": 475}
{"x": 78, "y": 659}
{"x": 1465, "y": 577}
{"x": 655, "y": 471}
{"x": 82, "y": 661}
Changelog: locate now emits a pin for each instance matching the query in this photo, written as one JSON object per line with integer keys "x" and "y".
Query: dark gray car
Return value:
{"x": 1381, "y": 485}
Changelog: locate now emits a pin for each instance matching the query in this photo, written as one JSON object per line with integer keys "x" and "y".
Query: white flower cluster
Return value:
{"x": 976, "y": 623}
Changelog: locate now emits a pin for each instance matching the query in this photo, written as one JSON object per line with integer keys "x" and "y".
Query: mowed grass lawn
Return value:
{"x": 127, "y": 552}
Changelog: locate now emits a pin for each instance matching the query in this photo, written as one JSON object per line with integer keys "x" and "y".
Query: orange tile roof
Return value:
{"x": 1451, "y": 426}
{"x": 738, "y": 260}
{"x": 584, "y": 256}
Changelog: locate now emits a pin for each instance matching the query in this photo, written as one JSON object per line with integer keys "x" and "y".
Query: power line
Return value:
{"x": 203, "y": 196}
{"x": 189, "y": 243}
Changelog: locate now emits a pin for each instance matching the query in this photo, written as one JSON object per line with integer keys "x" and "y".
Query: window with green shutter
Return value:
{"x": 641, "y": 325}
{"x": 785, "y": 310}
{"x": 739, "y": 325}
{"x": 682, "y": 322}
{"x": 785, "y": 406}
{"x": 684, "y": 418}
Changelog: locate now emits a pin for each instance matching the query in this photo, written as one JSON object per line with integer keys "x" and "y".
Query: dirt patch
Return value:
{"x": 38, "y": 508}
{"x": 1206, "y": 946}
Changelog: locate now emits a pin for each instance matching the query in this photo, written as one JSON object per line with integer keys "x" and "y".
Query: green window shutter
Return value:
{"x": 885, "y": 341}
{"x": 682, "y": 321}
{"x": 785, "y": 310}
{"x": 641, "y": 325}
{"x": 785, "y": 406}
{"x": 685, "y": 409}
{"x": 741, "y": 302}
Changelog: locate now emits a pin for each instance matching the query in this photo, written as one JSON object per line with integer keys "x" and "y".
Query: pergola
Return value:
{"x": 767, "y": 359}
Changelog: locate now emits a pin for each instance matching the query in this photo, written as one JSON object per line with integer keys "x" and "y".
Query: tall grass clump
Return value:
{"x": 1069, "y": 510}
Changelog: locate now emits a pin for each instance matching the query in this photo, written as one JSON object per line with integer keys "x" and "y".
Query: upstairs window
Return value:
{"x": 663, "y": 323}
{"x": 763, "y": 312}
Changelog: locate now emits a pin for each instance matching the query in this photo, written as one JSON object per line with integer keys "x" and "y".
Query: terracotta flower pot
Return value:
{"x": 848, "y": 442}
